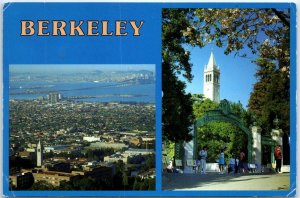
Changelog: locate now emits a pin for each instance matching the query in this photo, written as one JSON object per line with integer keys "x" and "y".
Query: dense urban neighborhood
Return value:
{"x": 68, "y": 145}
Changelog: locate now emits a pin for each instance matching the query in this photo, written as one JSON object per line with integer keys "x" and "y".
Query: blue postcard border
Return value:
{"x": 157, "y": 62}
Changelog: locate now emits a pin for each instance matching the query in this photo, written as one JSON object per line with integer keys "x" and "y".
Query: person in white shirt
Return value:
{"x": 203, "y": 156}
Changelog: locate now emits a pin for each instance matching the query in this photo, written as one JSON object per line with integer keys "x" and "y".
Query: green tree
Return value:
{"x": 118, "y": 177}
{"x": 125, "y": 180}
{"x": 242, "y": 28}
{"x": 177, "y": 116}
{"x": 65, "y": 185}
{"x": 169, "y": 149}
{"x": 86, "y": 183}
{"x": 42, "y": 185}
{"x": 136, "y": 184}
{"x": 150, "y": 162}
{"x": 202, "y": 106}
{"x": 221, "y": 135}
{"x": 234, "y": 28}
{"x": 270, "y": 96}
{"x": 144, "y": 184}
{"x": 98, "y": 154}
{"x": 151, "y": 184}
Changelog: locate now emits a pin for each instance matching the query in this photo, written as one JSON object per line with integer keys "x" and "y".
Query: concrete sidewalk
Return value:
{"x": 214, "y": 181}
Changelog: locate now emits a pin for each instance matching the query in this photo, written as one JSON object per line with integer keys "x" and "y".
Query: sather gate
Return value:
{"x": 188, "y": 150}
{"x": 223, "y": 113}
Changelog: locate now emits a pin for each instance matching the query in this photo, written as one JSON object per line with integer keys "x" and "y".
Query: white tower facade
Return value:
{"x": 39, "y": 155}
{"x": 211, "y": 85}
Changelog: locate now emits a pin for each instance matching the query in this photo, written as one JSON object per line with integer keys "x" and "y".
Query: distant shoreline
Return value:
{"x": 80, "y": 101}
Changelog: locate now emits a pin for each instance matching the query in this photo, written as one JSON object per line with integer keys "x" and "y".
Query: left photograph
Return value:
{"x": 82, "y": 127}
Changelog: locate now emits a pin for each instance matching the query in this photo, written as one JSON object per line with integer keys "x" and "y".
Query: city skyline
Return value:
{"x": 135, "y": 84}
{"x": 20, "y": 68}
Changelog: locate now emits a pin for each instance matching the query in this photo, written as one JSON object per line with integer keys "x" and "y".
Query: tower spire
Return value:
{"x": 212, "y": 61}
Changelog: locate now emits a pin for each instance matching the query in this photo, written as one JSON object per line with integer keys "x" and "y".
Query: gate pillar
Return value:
{"x": 256, "y": 147}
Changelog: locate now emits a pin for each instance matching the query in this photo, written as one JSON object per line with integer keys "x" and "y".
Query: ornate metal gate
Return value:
{"x": 223, "y": 113}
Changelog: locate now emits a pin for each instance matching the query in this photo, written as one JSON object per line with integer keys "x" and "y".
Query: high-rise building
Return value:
{"x": 39, "y": 155}
{"x": 54, "y": 97}
{"x": 211, "y": 85}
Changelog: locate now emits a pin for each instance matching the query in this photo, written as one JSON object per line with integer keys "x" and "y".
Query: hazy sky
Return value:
{"x": 78, "y": 67}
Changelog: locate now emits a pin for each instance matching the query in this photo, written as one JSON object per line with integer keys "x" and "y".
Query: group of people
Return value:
{"x": 237, "y": 164}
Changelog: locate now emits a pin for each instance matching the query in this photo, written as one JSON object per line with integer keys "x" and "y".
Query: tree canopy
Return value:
{"x": 177, "y": 112}
{"x": 238, "y": 29}
{"x": 42, "y": 185}
{"x": 270, "y": 97}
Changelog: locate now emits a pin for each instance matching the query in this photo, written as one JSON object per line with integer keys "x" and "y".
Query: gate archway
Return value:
{"x": 223, "y": 113}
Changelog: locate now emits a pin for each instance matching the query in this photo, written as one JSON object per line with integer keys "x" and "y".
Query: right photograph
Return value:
{"x": 226, "y": 99}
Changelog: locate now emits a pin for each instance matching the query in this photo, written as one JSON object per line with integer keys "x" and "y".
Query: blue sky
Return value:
{"x": 237, "y": 74}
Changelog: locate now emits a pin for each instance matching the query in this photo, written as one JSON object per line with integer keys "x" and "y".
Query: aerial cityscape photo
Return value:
{"x": 82, "y": 127}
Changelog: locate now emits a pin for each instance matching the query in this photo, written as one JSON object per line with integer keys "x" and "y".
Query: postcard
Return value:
{"x": 149, "y": 99}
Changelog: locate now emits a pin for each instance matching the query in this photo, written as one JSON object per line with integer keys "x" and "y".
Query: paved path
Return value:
{"x": 214, "y": 181}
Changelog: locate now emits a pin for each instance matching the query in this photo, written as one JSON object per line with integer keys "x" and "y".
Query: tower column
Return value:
{"x": 39, "y": 155}
{"x": 256, "y": 151}
{"x": 211, "y": 84}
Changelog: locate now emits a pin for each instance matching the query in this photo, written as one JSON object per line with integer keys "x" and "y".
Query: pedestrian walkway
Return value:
{"x": 214, "y": 181}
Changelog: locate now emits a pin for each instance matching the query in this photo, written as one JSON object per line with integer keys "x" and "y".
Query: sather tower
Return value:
{"x": 211, "y": 85}
{"x": 39, "y": 155}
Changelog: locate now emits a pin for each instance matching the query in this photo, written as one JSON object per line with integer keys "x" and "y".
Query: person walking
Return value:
{"x": 243, "y": 167}
{"x": 236, "y": 164}
{"x": 203, "y": 156}
{"x": 221, "y": 161}
{"x": 278, "y": 158}
{"x": 231, "y": 168}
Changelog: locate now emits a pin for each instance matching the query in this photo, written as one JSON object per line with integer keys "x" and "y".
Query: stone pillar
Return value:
{"x": 277, "y": 137}
{"x": 189, "y": 152}
{"x": 256, "y": 150}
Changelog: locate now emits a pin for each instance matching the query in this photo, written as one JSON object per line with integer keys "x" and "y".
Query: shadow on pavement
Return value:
{"x": 171, "y": 181}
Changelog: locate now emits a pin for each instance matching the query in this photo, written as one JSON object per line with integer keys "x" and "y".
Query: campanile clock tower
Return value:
{"x": 39, "y": 153}
{"x": 211, "y": 85}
